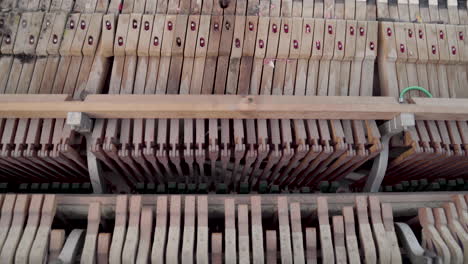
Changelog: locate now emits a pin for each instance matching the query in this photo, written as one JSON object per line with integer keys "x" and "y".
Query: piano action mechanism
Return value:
{"x": 226, "y": 131}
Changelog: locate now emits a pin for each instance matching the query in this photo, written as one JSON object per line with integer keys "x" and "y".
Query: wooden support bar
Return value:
{"x": 232, "y": 106}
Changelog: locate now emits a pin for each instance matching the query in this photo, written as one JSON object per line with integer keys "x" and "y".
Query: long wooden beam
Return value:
{"x": 231, "y": 106}
{"x": 76, "y": 205}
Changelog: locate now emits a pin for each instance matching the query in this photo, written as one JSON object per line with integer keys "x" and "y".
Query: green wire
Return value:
{"x": 402, "y": 94}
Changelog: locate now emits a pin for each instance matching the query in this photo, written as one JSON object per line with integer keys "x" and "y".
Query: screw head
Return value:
{"x": 261, "y": 43}
{"x": 108, "y": 25}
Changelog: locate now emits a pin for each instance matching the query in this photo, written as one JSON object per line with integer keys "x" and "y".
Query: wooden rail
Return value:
{"x": 231, "y": 106}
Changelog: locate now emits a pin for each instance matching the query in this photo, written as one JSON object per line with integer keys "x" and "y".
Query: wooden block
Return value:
{"x": 273, "y": 38}
{"x": 121, "y": 35}
{"x": 365, "y": 233}
{"x": 431, "y": 237}
{"x": 202, "y": 230}
{"x": 146, "y": 223}
{"x": 257, "y": 230}
{"x": 58, "y": 29}
{"x": 57, "y": 239}
{"x": 307, "y": 37}
{"x": 93, "y": 35}
{"x": 90, "y": 244}
{"x": 39, "y": 246}
{"x": 69, "y": 34}
{"x": 325, "y": 232}
{"x": 173, "y": 239}
{"x": 108, "y": 34}
{"x": 130, "y": 248}
{"x": 34, "y": 29}
{"x": 103, "y": 244}
{"x": 157, "y": 35}
{"x": 133, "y": 34}
{"x": 285, "y": 38}
{"x": 351, "y": 239}
{"x": 80, "y": 35}
{"x": 296, "y": 233}
{"x": 271, "y": 248}
{"x": 379, "y": 231}
{"x": 203, "y": 35}
{"x": 296, "y": 38}
{"x": 251, "y": 25}
{"x": 217, "y": 248}
{"x": 46, "y": 31}
{"x": 168, "y": 38}
{"x": 230, "y": 249}
{"x": 462, "y": 209}
{"x": 214, "y": 36}
{"x": 179, "y": 35}
{"x": 22, "y": 33}
{"x": 285, "y": 236}
{"x": 18, "y": 218}
{"x": 243, "y": 227}
{"x": 238, "y": 37}
{"x": 6, "y": 217}
{"x": 455, "y": 227}
{"x": 145, "y": 35}
{"x": 188, "y": 237}
{"x": 456, "y": 254}
{"x": 318, "y": 40}
{"x": 387, "y": 216}
{"x": 338, "y": 237}
{"x": 311, "y": 245}
{"x": 29, "y": 233}
{"x": 8, "y": 40}
{"x": 159, "y": 243}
